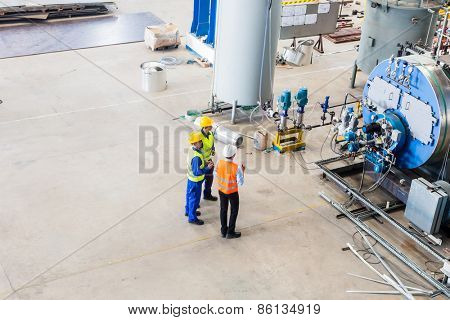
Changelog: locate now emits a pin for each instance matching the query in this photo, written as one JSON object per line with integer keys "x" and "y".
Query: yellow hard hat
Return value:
{"x": 206, "y": 122}
{"x": 195, "y": 137}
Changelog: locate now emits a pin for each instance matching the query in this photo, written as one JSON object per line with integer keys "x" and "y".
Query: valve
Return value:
{"x": 325, "y": 107}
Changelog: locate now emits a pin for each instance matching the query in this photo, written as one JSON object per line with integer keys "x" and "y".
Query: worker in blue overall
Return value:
{"x": 197, "y": 168}
{"x": 209, "y": 151}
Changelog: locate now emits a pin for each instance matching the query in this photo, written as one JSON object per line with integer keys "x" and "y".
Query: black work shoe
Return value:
{"x": 210, "y": 198}
{"x": 233, "y": 235}
{"x": 198, "y": 222}
{"x": 198, "y": 213}
{"x": 224, "y": 233}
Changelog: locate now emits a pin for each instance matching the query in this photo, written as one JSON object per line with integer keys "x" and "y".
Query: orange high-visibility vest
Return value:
{"x": 226, "y": 176}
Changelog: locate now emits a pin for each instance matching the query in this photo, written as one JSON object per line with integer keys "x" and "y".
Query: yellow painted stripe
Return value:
{"x": 294, "y": 2}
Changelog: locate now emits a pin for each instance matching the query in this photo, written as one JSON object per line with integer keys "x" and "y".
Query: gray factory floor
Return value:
{"x": 79, "y": 221}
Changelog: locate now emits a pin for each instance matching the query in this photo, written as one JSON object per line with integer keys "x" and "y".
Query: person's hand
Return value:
{"x": 210, "y": 164}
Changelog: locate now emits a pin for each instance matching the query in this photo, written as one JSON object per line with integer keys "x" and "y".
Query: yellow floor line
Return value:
{"x": 57, "y": 114}
{"x": 162, "y": 250}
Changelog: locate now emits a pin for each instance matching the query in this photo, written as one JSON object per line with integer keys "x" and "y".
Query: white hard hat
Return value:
{"x": 229, "y": 151}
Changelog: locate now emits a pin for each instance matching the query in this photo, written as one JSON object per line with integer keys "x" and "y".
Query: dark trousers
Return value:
{"x": 209, "y": 179}
{"x": 233, "y": 199}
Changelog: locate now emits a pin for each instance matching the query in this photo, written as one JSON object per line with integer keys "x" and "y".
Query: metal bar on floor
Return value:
{"x": 402, "y": 257}
{"x": 400, "y": 283}
{"x": 370, "y": 205}
{"x": 387, "y": 284}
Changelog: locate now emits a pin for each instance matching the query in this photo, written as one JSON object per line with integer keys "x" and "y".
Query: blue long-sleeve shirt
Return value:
{"x": 196, "y": 163}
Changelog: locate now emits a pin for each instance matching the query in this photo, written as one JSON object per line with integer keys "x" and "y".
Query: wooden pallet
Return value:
{"x": 204, "y": 63}
{"x": 344, "y": 35}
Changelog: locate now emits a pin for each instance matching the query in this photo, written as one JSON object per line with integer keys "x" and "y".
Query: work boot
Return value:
{"x": 224, "y": 233}
{"x": 210, "y": 198}
{"x": 197, "y": 222}
{"x": 233, "y": 235}
{"x": 198, "y": 213}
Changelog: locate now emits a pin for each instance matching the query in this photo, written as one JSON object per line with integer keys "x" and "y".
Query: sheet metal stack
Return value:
{"x": 19, "y": 10}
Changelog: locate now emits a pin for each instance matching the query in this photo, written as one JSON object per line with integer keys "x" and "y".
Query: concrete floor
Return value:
{"x": 79, "y": 221}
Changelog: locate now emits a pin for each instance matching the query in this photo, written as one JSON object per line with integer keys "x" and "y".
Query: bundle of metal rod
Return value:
{"x": 441, "y": 287}
{"x": 395, "y": 282}
{"x": 413, "y": 289}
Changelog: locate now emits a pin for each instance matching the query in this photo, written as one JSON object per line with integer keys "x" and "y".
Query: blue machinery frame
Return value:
{"x": 203, "y": 30}
{"x": 204, "y": 22}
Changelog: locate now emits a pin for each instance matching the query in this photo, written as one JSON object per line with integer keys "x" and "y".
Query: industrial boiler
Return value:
{"x": 401, "y": 132}
{"x": 405, "y": 106}
{"x": 392, "y": 23}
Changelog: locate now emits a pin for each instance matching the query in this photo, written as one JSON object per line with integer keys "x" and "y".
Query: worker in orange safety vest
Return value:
{"x": 229, "y": 177}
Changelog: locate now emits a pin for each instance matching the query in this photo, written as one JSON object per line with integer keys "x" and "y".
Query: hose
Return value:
{"x": 261, "y": 75}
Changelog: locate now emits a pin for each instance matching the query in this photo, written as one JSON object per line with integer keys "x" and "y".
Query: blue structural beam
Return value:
{"x": 212, "y": 23}
{"x": 204, "y": 21}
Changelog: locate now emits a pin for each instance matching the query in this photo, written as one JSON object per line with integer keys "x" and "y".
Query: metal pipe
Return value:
{"x": 370, "y": 205}
{"x": 319, "y": 125}
{"x": 343, "y": 104}
{"x": 429, "y": 27}
{"x": 233, "y": 113}
{"x": 385, "y": 283}
{"x": 353, "y": 78}
{"x": 406, "y": 292}
{"x": 438, "y": 285}
{"x": 382, "y": 276}
{"x": 418, "y": 293}
{"x": 441, "y": 34}
{"x": 228, "y": 136}
{"x": 356, "y": 252}
{"x": 237, "y": 107}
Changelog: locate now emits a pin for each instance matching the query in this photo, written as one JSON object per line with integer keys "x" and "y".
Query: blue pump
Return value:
{"x": 302, "y": 99}
{"x": 285, "y": 102}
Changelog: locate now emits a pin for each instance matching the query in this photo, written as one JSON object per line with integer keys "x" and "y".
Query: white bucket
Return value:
{"x": 154, "y": 76}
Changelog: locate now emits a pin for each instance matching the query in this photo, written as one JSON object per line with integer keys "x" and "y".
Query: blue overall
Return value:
{"x": 194, "y": 189}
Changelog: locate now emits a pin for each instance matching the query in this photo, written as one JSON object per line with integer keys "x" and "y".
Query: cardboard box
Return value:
{"x": 166, "y": 35}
